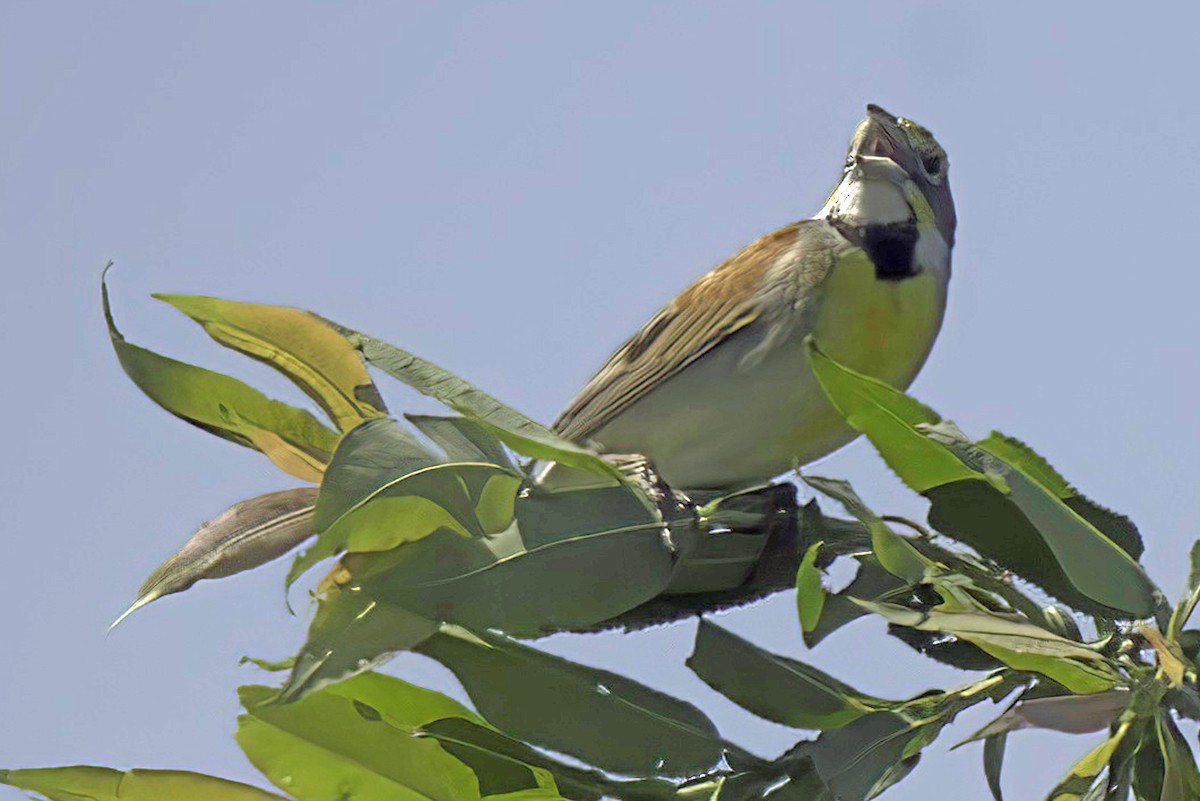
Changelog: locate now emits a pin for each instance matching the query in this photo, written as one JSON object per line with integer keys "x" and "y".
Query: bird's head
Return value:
{"x": 895, "y": 170}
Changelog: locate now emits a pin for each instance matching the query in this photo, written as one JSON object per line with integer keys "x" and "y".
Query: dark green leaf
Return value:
{"x": 993, "y": 762}
{"x": 855, "y": 759}
{"x": 1181, "y": 780}
{"x": 291, "y": 438}
{"x": 248, "y": 534}
{"x": 87, "y": 783}
{"x": 775, "y": 687}
{"x": 574, "y": 709}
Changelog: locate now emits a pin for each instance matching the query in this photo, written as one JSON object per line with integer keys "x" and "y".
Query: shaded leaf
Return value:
{"x": 993, "y": 762}
{"x": 362, "y": 739}
{"x": 80, "y": 782}
{"x": 577, "y": 710}
{"x": 1074, "y": 714}
{"x": 248, "y": 534}
{"x": 1181, "y": 780}
{"x": 1012, "y": 640}
{"x": 291, "y": 438}
{"x": 570, "y": 560}
{"x": 298, "y": 344}
{"x": 514, "y": 429}
{"x": 462, "y": 440}
{"x": 774, "y": 687}
{"x": 855, "y": 759}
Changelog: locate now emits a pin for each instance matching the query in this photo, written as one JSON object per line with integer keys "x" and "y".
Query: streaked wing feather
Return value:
{"x": 715, "y": 306}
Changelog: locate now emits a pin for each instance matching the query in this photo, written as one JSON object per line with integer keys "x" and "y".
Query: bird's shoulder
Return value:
{"x": 776, "y": 270}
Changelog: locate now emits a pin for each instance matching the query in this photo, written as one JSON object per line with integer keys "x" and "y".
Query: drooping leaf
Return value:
{"x": 856, "y": 758}
{"x": 1074, "y": 714}
{"x": 1181, "y": 779}
{"x": 349, "y": 634}
{"x": 513, "y": 428}
{"x": 462, "y": 440}
{"x": 298, "y": 344}
{"x": 889, "y": 419}
{"x": 570, "y": 560}
{"x": 1012, "y": 640}
{"x": 774, "y": 687}
{"x": 1116, "y": 527}
{"x": 248, "y": 534}
{"x": 1085, "y": 774}
{"x": 362, "y": 739}
{"x": 597, "y": 716}
{"x": 88, "y": 783}
{"x": 993, "y": 763}
{"x": 290, "y": 437}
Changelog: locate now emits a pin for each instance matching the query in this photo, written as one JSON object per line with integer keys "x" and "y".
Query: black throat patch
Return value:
{"x": 890, "y": 246}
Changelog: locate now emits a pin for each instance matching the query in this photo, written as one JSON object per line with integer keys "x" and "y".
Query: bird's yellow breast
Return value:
{"x": 882, "y": 328}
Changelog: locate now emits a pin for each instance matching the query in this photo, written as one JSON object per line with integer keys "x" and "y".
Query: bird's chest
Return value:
{"x": 884, "y": 328}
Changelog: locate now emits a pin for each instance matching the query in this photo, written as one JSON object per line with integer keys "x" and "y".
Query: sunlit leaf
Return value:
{"x": 574, "y": 709}
{"x": 810, "y": 593}
{"x": 775, "y": 687}
{"x": 248, "y": 534}
{"x": 298, "y": 344}
{"x": 362, "y": 739}
{"x": 1086, "y": 772}
{"x": 292, "y": 438}
{"x": 87, "y": 783}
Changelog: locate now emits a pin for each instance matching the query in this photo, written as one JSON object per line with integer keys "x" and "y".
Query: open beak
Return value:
{"x": 874, "y": 136}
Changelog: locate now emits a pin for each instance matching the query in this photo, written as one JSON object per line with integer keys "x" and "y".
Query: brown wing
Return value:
{"x": 719, "y": 303}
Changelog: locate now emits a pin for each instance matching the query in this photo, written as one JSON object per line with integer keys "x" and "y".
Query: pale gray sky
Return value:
{"x": 510, "y": 189}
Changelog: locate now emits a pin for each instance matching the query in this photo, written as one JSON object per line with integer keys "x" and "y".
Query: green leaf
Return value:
{"x": 349, "y": 634}
{"x": 810, "y": 592}
{"x": 993, "y": 763}
{"x": 462, "y": 440}
{"x": 1181, "y": 780}
{"x": 895, "y": 553}
{"x": 856, "y": 759}
{"x": 599, "y": 717}
{"x": 81, "y": 782}
{"x": 291, "y": 438}
{"x": 363, "y": 739}
{"x": 570, "y": 560}
{"x": 1116, "y": 527}
{"x": 1012, "y": 640}
{"x": 248, "y": 534}
{"x": 775, "y": 687}
{"x": 297, "y": 343}
{"x": 1085, "y": 773}
{"x": 889, "y": 419}
{"x": 514, "y": 429}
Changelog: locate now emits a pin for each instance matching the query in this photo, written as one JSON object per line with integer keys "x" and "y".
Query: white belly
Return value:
{"x": 721, "y": 424}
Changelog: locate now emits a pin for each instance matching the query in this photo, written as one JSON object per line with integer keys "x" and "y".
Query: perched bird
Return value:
{"x": 715, "y": 389}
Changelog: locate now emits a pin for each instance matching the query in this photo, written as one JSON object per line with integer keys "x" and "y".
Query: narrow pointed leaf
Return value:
{"x": 85, "y": 782}
{"x": 775, "y": 687}
{"x": 362, "y": 739}
{"x": 853, "y": 760}
{"x": 298, "y": 344}
{"x": 462, "y": 440}
{"x": 993, "y": 763}
{"x": 810, "y": 592}
{"x": 291, "y": 438}
{"x": 1074, "y": 714}
{"x": 597, "y": 716}
{"x": 248, "y": 534}
{"x": 1181, "y": 779}
{"x": 513, "y": 428}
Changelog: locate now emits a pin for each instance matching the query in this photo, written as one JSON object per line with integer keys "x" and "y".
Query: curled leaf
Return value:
{"x": 248, "y": 534}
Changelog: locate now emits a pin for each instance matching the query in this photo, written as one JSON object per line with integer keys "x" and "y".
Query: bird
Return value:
{"x": 715, "y": 389}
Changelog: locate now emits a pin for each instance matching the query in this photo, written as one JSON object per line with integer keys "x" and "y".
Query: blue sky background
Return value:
{"x": 509, "y": 189}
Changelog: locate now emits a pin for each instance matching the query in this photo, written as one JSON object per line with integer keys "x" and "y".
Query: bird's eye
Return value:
{"x": 932, "y": 163}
